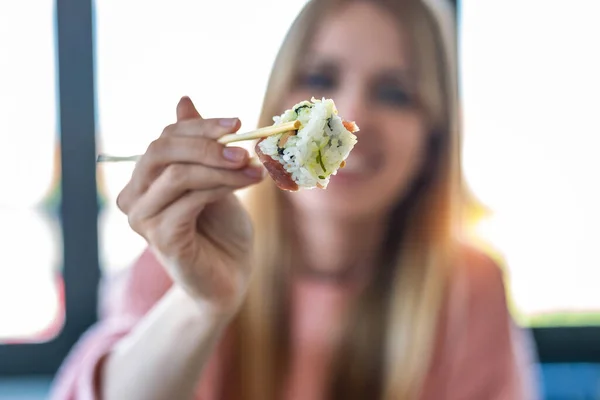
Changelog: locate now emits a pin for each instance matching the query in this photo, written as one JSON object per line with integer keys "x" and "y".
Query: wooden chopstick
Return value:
{"x": 233, "y": 137}
{"x": 260, "y": 133}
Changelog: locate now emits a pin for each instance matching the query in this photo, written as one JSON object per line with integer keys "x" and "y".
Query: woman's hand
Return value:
{"x": 180, "y": 199}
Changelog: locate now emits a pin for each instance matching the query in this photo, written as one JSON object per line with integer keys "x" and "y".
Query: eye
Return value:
{"x": 392, "y": 95}
{"x": 317, "y": 81}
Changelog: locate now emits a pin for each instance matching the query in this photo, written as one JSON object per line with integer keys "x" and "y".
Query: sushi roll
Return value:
{"x": 307, "y": 158}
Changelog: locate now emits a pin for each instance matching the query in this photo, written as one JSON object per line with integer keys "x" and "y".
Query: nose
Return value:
{"x": 353, "y": 105}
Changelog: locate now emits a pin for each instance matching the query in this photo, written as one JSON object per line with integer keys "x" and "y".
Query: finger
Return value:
{"x": 124, "y": 199}
{"x": 195, "y": 150}
{"x": 192, "y": 203}
{"x": 181, "y": 150}
{"x": 179, "y": 179}
{"x": 186, "y": 109}
{"x": 169, "y": 230}
{"x": 212, "y": 128}
{"x": 135, "y": 188}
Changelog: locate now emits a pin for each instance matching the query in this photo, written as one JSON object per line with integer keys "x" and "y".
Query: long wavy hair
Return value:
{"x": 387, "y": 347}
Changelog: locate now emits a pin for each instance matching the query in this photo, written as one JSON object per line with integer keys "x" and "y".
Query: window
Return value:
{"x": 31, "y": 306}
{"x": 530, "y": 88}
{"x": 531, "y": 144}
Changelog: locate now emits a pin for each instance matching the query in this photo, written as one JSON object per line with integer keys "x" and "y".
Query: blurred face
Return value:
{"x": 360, "y": 59}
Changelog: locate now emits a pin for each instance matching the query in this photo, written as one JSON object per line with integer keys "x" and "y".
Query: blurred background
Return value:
{"x": 83, "y": 76}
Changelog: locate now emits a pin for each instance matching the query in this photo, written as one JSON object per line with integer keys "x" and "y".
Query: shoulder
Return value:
{"x": 481, "y": 343}
{"x": 476, "y": 307}
{"x": 478, "y": 279}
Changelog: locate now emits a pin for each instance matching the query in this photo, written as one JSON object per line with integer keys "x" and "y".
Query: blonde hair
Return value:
{"x": 389, "y": 343}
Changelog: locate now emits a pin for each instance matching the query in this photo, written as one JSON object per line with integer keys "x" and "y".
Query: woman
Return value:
{"x": 365, "y": 290}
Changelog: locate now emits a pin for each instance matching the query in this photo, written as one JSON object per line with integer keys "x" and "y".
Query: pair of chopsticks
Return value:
{"x": 233, "y": 137}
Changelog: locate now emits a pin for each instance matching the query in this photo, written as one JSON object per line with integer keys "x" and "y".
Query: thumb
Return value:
{"x": 186, "y": 109}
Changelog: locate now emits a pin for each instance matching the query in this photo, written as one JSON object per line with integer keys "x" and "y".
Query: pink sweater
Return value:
{"x": 480, "y": 354}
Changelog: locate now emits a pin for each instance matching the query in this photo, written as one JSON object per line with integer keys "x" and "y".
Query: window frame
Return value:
{"x": 74, "y": 38}
{"x": 576, "y": 344}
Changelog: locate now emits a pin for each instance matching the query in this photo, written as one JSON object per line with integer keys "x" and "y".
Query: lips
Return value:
{"x": 355, "y": 165}
{"x": 359, "y": 164}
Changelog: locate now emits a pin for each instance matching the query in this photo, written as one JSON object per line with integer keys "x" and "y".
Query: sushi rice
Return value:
{"x": 318, "y": 149}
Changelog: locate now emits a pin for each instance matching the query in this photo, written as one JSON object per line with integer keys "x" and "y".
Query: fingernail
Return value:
{"x": 255, "y": 172}
{"x": 228, "y": 122}
{"x": 235, "y": 154}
